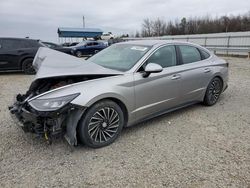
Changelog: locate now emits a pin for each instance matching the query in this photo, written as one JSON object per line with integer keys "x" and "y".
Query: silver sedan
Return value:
{"x": 92, "y": 100}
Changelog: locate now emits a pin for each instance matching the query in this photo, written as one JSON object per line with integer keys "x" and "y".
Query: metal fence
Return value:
{"x": 237, "y": 43}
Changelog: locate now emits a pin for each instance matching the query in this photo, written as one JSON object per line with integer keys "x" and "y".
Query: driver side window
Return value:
{"x": 165, "y": 56}
{"x": 90, "y": 44}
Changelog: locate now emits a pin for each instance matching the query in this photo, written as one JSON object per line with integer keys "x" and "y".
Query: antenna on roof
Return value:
{"x": 83, "y": 21}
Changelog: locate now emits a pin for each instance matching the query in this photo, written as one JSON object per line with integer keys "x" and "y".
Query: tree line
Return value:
{"x": 159, "y": 27}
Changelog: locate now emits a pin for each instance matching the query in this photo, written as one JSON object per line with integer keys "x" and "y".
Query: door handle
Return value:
{"x": 176, "y": 77}
{"x": 206, "y": 70}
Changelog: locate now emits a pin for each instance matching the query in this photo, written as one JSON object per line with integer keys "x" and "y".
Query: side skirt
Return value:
{"x": 164, "y": 112}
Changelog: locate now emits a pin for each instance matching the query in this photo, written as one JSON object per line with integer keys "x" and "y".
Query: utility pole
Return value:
{"x": 83, "y": 21}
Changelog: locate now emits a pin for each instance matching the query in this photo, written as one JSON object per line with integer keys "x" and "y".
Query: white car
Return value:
{"x": 107, "y": 36}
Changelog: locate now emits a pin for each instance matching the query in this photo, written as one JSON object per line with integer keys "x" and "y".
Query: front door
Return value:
{"x": 159, "y": 91}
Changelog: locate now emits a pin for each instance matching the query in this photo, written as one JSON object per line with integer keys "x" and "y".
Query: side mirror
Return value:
{"x": 152, "y": 68}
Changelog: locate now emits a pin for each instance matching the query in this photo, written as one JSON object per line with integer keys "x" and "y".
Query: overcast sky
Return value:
{"x": 41, "y": 18}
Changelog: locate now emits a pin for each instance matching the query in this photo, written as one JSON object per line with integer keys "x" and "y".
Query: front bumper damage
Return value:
{"x": 49, "y": 125}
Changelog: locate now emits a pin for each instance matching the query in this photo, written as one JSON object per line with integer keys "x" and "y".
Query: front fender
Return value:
{"x": 118, "y": 87}
{"x": 104, "y": 96}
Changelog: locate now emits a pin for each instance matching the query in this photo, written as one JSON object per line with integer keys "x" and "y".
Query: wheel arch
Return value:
{"x": 118, "y": 101}
{"x": 220, "y": 77}
{"x": 123, "y": 107}
{"x": 214, "y": 76}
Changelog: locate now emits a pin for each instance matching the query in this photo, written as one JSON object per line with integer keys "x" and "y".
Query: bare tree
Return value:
{"x": 200, "y": 25}
{"x": 137, "y": 34}
{"x": 183, "y": 26}
{"x": 159, "y": 27}
{"x": 147, "y": 28}
{"x": 225, "y": 21}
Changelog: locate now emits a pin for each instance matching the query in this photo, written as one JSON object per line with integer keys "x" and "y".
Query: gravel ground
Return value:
{"x": 194, "y": 147}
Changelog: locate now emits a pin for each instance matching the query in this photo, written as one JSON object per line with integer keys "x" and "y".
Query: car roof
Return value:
{"x": 156, "y": 42}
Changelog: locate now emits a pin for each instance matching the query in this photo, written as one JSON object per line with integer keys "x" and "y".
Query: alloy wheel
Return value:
{"x": 103, "y": 125}
{"x": 28, "y": 68}
{"x": 79, "y": 54}
{"x": 214, "y": 91}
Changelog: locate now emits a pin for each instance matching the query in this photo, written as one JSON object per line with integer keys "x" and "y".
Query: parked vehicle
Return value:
{"x": 88, "y": 48}
{"x": 122, "y": 85}
{"x": 116, "y": 40}
{"x": 107, "y": 36}
{"x": 18, "y": 54}
{"x": 57, "y": 47}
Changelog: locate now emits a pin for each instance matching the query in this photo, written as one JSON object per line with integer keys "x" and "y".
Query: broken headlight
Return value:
{"x": 52, "y": 104}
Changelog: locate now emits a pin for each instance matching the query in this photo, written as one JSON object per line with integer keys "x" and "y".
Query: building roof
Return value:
{"x": 79, "y": 32}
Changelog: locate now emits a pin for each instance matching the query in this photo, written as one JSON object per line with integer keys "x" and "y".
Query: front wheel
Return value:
{"x": 213, "y": 92}
{"x": 101, "y": 124}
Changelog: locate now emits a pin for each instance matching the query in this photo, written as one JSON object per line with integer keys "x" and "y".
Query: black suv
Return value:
{"x": 18, "y": 54}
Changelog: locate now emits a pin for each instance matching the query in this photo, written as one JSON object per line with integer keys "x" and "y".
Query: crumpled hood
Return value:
{"x": 51, "y": 63}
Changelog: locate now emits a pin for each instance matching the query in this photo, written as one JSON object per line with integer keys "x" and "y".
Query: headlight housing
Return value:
{"x": 52, "y": 104}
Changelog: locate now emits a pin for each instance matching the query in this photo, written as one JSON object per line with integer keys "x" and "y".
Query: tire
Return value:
{"x": 27, "y": 66}
{"x": 101, "y": 124}
{"x": 213, "y": 91}
{"x": 78, "y": 54}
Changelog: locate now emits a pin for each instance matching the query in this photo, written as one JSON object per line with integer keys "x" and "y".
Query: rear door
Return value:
{"x": 195, "y": 73}
{"x": 9, "y": 58}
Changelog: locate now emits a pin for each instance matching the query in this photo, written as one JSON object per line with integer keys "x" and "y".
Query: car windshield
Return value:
{"x": 120, "y": 57}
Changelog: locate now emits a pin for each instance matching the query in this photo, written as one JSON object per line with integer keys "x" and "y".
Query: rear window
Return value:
{"x": 8, "y": 44}
{"x": 11, "y": 44}
{"x": 204, "y": 54}
{"x": 189, "y": 54}
{"x": 90, "y": 44}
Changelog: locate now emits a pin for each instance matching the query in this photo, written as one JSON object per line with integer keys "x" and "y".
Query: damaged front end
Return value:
{"x": 47, "y": 124}
{"x": 39, "y": 111}
{"x": 50, "y": 117}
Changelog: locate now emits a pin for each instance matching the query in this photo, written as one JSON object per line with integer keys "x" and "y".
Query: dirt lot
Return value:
{"x": 194, "y": 147}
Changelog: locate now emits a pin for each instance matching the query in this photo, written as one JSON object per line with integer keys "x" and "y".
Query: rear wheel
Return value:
{"x": 79, "y": 54}
{"x": 27, "y": 66}
{"x": 213, "y": 92}
{"x": 101, "y": 125}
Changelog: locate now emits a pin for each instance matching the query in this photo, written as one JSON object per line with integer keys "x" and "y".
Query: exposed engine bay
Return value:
{"x": 40, "y": 110}
{"x": 46, "y": 84}
{"x": 54, "y": 124}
